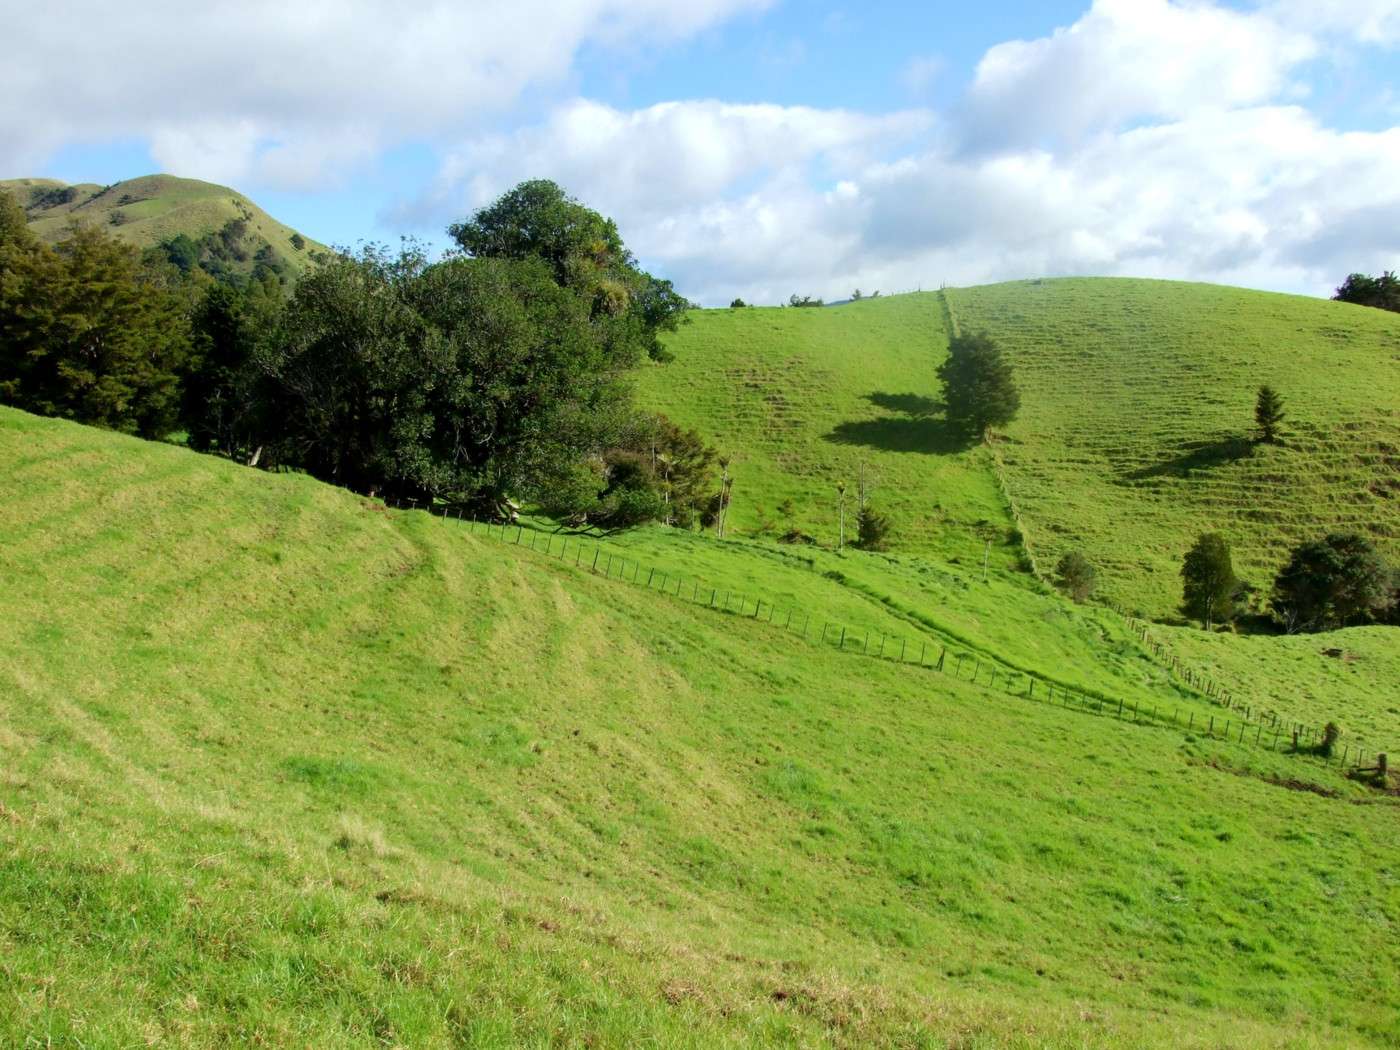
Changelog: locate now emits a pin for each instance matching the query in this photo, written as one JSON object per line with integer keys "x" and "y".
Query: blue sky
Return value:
{"x": 758, "y": 148}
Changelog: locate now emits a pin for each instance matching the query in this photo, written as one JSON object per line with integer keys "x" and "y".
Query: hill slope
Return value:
{"x": 803, "y": 398}
{"x": 1134, "y": 433}
{"x": 1136, "y": 429}
{"x": 280, "y": 766}
{"x": 153, "y": 209}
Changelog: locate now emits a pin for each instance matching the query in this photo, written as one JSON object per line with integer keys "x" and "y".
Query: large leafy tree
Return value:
{"x": 90, "y": 333}
{"x": 628, "y": 307}
{"x": 222, "y": 395}
{"x": 464, "y": 381}
{"x": 979, "y": 387}
{"x": 1332, "y": 582}
{"x": 1209, "y": 584}
{"x": 1382, "y": 292}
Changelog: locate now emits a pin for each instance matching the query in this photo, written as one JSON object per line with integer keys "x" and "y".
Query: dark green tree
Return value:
{"x": 1382, "y": 292}
{"x": 979, "y": 386}
{"x": 1209, "y": 584}
{"x": 90, "y": 334}
{"x": 654, "y": 471}
{"x": 872, "y": 529}
{"x": 628, "y": 307}
{"x": 1329, "y": 583}
{"x": 1268, "y": 414}
{"x": 1075, "y": 576}
{"x": 222, "y": 395}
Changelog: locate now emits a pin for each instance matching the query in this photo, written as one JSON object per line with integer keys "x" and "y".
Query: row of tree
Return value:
{"x": 501, "y": 371}
{"x": 1337, "y": 581}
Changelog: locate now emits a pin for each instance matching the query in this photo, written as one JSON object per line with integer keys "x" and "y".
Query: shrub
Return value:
{"x": 872, "y": 529}
{"x": 1331, "y": 733}
{"x": 1075, "y": 576}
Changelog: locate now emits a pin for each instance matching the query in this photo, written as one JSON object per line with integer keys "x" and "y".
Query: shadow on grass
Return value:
{"x": 916, "y": 429}
{"x": 915, "y": 405}
{"x": 1198, "y": 455}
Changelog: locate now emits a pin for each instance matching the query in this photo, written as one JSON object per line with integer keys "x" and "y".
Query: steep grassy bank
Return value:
{"x": 282, "y": 766}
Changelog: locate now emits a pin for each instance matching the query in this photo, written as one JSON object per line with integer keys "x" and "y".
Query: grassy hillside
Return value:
{"x": 1137, "y": 417}
{"x": 155, "y": 208}
{"x": 279, "y": 766}
{"x": 801, "y": 398}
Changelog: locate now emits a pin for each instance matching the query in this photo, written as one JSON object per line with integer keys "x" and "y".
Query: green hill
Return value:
{"x": 281, "y": 766}
{"x": 1133, "y": 438}
{"x": 1135, "y": 433}
{"x": 232, "y": 233}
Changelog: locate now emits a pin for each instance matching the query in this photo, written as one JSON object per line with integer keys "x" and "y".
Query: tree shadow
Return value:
{"x": 915, "y": 405}
{"x": 916, "y": 429}
{"x": 1198, "y": 455}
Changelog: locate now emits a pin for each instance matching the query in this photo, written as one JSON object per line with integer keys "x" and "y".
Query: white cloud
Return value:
{"x": 1126, "y": 61}
{"x": 656, "y": 161}
{"x": 1369, "y": 21}
{"x": 226, "y": 89}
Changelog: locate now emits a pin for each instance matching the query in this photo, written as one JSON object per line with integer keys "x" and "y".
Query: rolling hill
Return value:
{"x": 237, "y": 235}
{"x": 281, "y": 765}
{"x": 1133, "y": 438}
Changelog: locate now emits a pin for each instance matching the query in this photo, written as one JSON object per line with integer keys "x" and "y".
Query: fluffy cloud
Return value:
{"x": 654, "y": 162}
{"x": 295, "y": 90}
{"x": 1369, "y": 21}
{"x": 1126, "y": 61}
{"x": 1152, "y": 139}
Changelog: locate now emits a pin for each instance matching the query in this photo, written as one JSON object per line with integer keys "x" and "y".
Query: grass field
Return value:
{"x": 1137, "y": 418}
{"x": 801, "y": 398}
{"x": 155, "y": 208}
{"x": 279, "y": 766}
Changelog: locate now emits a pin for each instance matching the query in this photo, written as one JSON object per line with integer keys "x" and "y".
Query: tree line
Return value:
{"x": 498, "y": 373}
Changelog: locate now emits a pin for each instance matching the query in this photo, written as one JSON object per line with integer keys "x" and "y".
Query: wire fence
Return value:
{"x": 974, "y": 666}
{"x": 1192, "y": 677}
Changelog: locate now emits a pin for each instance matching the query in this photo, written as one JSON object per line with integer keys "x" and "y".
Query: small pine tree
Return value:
{"x": 872, "y": 529}
{"x": 1076, "y": 576}
{"x": 1209, "y": 584}
{"x": 1268, "y": 414}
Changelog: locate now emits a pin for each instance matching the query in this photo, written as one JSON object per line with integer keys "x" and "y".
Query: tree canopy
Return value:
{"x": 1329, "y": 583}
{"x": 1268, "y": 414}
{"x": 979, "y": 386}
{"x": 90, "y": 333}
{"x": 584, "y": 252}
{"x": 1382, "y": 292}
{"x": 1209, "y": 584}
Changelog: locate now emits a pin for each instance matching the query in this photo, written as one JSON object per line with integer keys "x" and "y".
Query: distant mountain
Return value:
{"x": 197, "y": 223}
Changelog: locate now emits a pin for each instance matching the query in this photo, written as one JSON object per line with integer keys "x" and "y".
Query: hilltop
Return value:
{"x": 438, "y": 788}
{"x": 1134, "y": 435}
{"x": 227, "y": 232}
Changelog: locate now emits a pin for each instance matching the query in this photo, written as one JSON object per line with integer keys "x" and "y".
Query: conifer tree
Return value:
{"x": 1268, "y": 414}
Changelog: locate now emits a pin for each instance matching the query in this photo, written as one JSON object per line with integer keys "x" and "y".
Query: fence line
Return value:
{"x": 1204, "y": 685}
{"x": 973, "y": 666}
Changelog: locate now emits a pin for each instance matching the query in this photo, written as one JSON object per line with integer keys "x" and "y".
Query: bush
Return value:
{"x": 1076, "y": 576}
{"x": 872, "y": 529}
{"x": 1331, "y": 583}
{"x": 1331, "y": 733}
